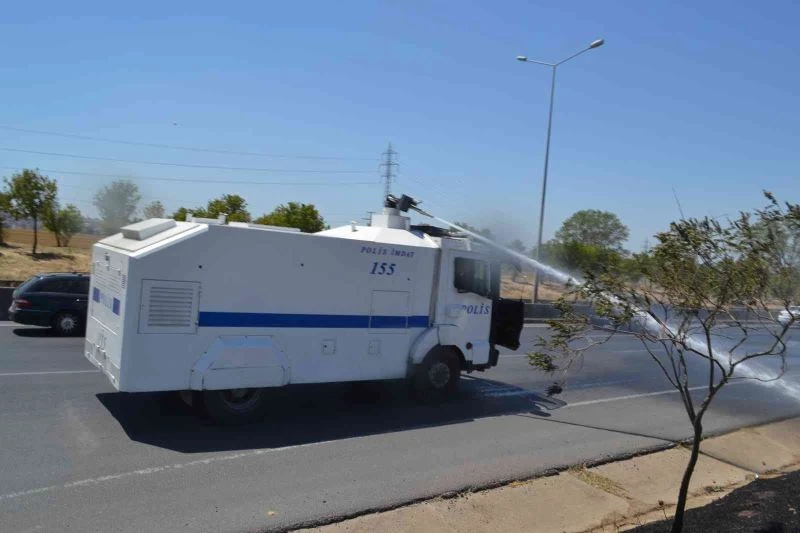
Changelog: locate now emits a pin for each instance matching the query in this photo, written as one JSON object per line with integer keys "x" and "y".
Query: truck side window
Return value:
{"x": 471, "y": 276}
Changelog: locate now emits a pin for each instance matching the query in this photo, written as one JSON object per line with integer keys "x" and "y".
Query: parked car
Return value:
{"x": 58, "y": 300}
{"x": 786, "y": 315}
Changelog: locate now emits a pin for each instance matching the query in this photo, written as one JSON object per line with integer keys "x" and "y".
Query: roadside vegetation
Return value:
{"x": 30, "y": 198}
{"x": 17, "y": 263}
{"x": 680, "y": 309}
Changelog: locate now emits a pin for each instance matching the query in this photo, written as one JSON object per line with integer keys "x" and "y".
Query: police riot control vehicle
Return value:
{"x": 221, "y": 312}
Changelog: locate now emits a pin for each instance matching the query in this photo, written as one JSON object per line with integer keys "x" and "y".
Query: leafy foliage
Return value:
{"x": 518, "y": 246}
{"x": 4, "y": 207}
{"x": 117, "y": 204}
{"x": 701, "y": 280}
{"x": 233, "y": 206}
{"x": 29, "y": 194}
{"x": 577, "y": 256}
{"x": 592, "y": 227}
{"x": 154, "y": 209}
{"x": 181, "y": 214}
{"x": 63, "y": 223}
{"x": 295, "y": 215}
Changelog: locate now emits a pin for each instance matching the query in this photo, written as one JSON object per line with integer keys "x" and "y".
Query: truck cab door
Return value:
{"x": 465, "y": 304}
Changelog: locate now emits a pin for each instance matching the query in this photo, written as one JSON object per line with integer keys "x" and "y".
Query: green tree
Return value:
{"x": 29, "y": 195}
{"x": 154, "y": 209}
{"x": 518, "y": 246}
{"x": 787, "y": 251}
{"x": 117, "y": 204}
{"x": 233, "y": 206}
{"x": 295, "y": 215}
{"x": 4, "y": 207}
{"x": 694, "y": 276}
{"x": 594, "y": 228}
{"x": 180, "y": 214}
{"x": 63, "y": 223}
{"x": 579, "y": 257}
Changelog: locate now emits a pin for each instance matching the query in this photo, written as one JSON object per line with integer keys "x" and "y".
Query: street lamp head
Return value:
{"x": 597, "y": 43}
{"x": 522, "y": 58}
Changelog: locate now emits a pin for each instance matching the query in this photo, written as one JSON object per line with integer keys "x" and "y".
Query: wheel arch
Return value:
{"x": 427, "y": 341}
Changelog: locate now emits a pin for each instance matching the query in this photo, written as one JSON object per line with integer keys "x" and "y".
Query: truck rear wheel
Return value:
{"x": 235, "y": 406}
{"x": 436, "y": 379}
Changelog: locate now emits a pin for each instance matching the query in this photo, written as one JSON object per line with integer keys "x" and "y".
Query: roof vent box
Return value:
{"x": 147, "y": 228}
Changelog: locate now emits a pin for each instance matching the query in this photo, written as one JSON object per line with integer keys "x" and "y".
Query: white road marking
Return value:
{"x": 157, "y": 469}
{"x": 44, "y": 373}
{"x": 517, "y": 355}
{"x": 494, "y": 391}
{"x": 256, "y": 453}
{"x": 642, "y": 395}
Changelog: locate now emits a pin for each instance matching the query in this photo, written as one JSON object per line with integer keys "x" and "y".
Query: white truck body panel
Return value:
{"x": 211, "y": 306}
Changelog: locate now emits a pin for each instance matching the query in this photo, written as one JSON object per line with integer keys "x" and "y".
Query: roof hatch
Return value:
{"x": 147, "y": 228}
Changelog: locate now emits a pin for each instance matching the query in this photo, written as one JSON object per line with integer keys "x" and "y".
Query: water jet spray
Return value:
{"x": 747, "y": 369}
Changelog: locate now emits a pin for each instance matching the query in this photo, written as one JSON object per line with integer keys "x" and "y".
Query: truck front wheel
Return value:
{"x": 436, "y": 379}
{"x": 235, "y": 406}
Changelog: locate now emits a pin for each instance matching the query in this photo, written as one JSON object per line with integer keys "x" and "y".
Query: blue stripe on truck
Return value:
{"x": 215, "y": 319}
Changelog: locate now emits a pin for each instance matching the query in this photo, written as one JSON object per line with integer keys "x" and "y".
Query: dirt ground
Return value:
{"x": 18, "y": 264}
{"x": 767, "y": 505}
{"x": 520, "y": 286}
{"x": 24, "y": 237}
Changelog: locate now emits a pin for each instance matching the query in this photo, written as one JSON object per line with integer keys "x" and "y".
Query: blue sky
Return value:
{"x": 699, "y": 96}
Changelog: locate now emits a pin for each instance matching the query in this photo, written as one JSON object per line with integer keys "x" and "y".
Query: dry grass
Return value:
{"x": 521, "y": 287}
{"x": 597, "y": 481}
{"x": 17, "y": 263}
{"x": 24, "y": 237}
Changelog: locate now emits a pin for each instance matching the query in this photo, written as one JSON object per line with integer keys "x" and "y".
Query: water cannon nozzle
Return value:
{"x": 404, "y": 203}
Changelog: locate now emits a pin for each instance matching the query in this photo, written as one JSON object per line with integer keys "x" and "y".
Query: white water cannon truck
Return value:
{"x": 221, "y": 312}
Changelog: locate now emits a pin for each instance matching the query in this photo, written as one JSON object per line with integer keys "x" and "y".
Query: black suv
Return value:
{"x": 58, "y": 300}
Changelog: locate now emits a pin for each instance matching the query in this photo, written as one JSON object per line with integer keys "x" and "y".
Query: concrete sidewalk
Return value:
{"x": 609, "y": 497}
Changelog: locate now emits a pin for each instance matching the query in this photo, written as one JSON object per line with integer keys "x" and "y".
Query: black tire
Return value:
{"x": 67, "y": 324}
{"x": 436, "y": 379}
{"x": 232, "y": 407}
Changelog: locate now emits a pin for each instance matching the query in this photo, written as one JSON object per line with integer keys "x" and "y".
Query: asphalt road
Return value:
{"x": 75, "y": 456}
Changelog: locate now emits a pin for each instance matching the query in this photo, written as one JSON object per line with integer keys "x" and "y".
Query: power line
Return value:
{"x": 143, "y": 196}
{"x": 187, "y": 148}
{"x": 161, "y": 163}
{"x": 198, "y": 180}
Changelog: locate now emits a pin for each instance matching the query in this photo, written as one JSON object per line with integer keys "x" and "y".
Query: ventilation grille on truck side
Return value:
{"x": 169, "y": 306}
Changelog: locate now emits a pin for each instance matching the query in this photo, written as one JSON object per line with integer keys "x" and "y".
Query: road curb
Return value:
{"x": 642, "y": 481}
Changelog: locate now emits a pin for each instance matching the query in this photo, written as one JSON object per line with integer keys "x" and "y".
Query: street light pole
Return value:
{"x": 554, "y": 67}
{"x": 544, "y": 181}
